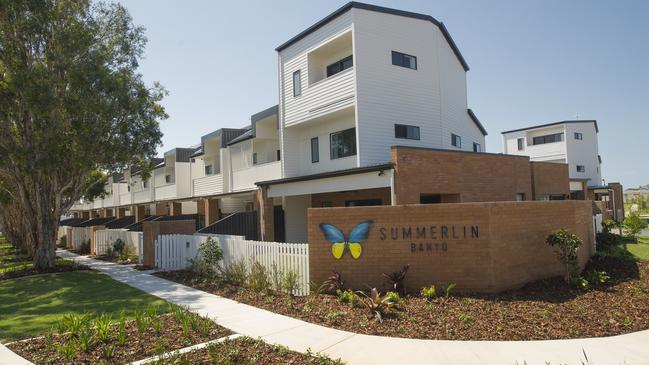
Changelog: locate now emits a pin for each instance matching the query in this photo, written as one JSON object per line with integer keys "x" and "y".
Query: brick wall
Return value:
{"x": 503, "y": 246}
{"x": 550, "y": 179}
{"x": 473, "y": 177}
{"x": 151, "y": 230}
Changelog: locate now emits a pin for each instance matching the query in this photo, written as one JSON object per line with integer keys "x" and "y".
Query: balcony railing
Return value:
{"x": 165, "y": 192}
{"x": 246, "y": 179}
{"x": 208, "y": 185}
{"x": 125, "y": 199}
{"x": 144, "y": 196}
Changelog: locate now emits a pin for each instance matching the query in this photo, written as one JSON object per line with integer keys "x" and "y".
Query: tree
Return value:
{"x": 566, "y": 245}
{"x": 71, "y": 103}
{"x": 633, "y": 224}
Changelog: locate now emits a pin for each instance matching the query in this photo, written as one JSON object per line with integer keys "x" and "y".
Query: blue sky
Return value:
{"x": 531, "y": 62}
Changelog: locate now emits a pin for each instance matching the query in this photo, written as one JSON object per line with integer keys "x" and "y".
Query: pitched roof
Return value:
{"x": 378, "y": 9}
{"x": 477, "y": 122}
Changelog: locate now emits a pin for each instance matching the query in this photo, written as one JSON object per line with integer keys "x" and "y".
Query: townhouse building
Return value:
{"x": 372, "y": 110}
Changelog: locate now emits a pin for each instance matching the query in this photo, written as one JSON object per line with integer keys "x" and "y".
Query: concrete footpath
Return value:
{"x": 364, "y": 349}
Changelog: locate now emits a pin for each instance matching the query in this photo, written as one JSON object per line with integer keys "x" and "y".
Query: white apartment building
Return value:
{"x": 573, "y": 142}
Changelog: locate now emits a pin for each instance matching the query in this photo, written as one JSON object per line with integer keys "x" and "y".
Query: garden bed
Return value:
{"x": 14, "y": 264}
{"x": 548, "y": 309}
{"x": 81, "y": 340}
{"x": 117, "y": 259}
{"x": 246, "y": 350}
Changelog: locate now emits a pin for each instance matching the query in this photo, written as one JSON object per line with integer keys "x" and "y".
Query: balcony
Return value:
{"x": 246, "y": 179}
{"x": 208, "y": 185}
{"x": 98, "y": 203}
{"x": 144, "y": 196}
{"x": 125, "y": 199}
{"x": 166, "y": 192}
{"x": 108, "y": 201}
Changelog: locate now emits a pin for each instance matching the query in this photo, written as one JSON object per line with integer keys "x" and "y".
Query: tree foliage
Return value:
{"x": 634, "y": 224}
{"x": 566, "y": 245}
{"x": 71, "y": 104}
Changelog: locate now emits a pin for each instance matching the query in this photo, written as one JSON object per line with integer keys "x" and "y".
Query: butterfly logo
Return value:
{"x": 357, "y": 235}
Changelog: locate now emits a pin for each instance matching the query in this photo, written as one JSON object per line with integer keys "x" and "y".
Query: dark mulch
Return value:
{"x": 139, "y": 344}
{"x": 548, "y": 309}
{"x": 245, "y": 350}
{"x": 116, "y": 260}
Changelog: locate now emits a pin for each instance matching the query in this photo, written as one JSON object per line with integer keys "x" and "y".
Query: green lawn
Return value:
{"x": 32, "y": 305}
{"x": 640, "y": 249}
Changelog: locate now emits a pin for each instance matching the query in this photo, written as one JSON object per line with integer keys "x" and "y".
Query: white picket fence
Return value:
{"x": 79, "y": 235}
{"x": 173, "y": 252}
{"x": 104, "y": 240}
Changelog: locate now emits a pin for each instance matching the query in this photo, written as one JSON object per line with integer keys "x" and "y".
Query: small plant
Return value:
{"x": 236, "y": 273}
{"x": 258, "y": 278}
{"x": 394, "y": 296}
{"x": 334, "y": 282}
{"x": 597, "y": 277}
{"x": 141, "y": 321}
{"x": 290, "y": 282}
{"x": 465, "y": 317}
{"x": 210, "y": 254}
{"x": 633, "y": 225}
{"x": 397, "y": 278}
{"x": 69, "y": 349}
{"x": 161, "y": 346}
{"x": 121, "y": 332}
{"x": 103, "y": 324}
{"x": 63, "y": 241}
{"x": 118, "y": 246}
{"x": 346, "y": 296}
{"x": 579, "y": 282}
{"x": 447, "y": 290}
{"x": 567, "y": 245}
{"x": 107, "y": 352}
{"x": 204, "y": 326}
{"x": 429, "y": 293}
{"x": 85, "y": 337}
{"x": 73, "y": 323}
{"x": 379, "y": 306}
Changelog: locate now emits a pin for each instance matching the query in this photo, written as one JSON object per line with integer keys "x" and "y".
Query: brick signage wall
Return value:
{"x": 485, "y": 247}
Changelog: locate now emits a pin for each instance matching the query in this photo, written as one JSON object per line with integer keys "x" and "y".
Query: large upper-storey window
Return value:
{"x": 340, "y": 66}
{"x": 406, "y": 131}
{"x": 343, "y": 143}
{"x": 550, "y": 138}
{"x": 404, "y": 60}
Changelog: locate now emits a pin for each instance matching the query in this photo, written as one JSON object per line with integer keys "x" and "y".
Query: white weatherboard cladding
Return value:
{"x": 368, "y": 180}
{"x": 433, "y": 97}
{"x": 550, "y": 152}
{"x": 583, "y": 152}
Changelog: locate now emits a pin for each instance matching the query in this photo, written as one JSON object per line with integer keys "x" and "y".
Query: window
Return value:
{"x": 521, "y": 144}
{"x": 363, "y": 202}
{"x": 581, "y": 168}
{"x": 168, "y": 179}
{"x": 279, "y": 155}
{"x": 297, "y": 83}
{"x": 406, "y": 131}
{"x": 520, "y": 197}
{"x": 209, "y": 170}
{"x": 404, "y": 60}
{"x": 550, "y": 138}
{"x": 254, "y": 158}
{"x": 430, "y": 199}
{"x": 456, "y": 140}
{"x": 325, "y": 204}
{"x": 340, "y": 66}
{"x": 128, "y": 188}
{"x": 343, "y": 143}
{"x": 476, "y": 147}
{"x": 315, "y": 150}
{"x": 145, "y": 184}
{"x": 579, "y": 136}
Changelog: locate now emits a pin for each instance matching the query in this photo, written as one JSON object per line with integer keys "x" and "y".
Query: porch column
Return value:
{"x": 266, "y": 214}
{"x": 138, "y": 212}
{"x": 211, "y": 211}
{"x": 175, "y": 208}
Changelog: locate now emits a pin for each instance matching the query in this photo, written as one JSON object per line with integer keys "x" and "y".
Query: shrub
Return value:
{"x": 290, "y": 281}
{"x": 394, "y": 296}
{"x": 63, "y": 241}
{"x": 118, "y": 246}
{"x": 346, "y": 296}
{"x": 85, "y": 247}
{"x": 236, "y": 273}
{"x": 334, "y": 282}
{"x": 633, "y": 225}
{"x": 429, "y": 293}
{"x": 595, "y": 277}
{"x": 103, "y": 323}
{"x": 379, "y": 306}
{"x": 128, "y": 253}
{"x": 397, "y": 278}
{"x": 566, "y": 245}
{"x": 258, "y": 278}
{"x": 579, "y": 282}
{"x": 210, "y": 254}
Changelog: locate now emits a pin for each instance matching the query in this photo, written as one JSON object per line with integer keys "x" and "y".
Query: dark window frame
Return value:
{"x": 398, "y": 59}
{"x": 315, "y": 157}
{"x": 456, "y": 140}
{"x": 255, "y": 160}
{"x": 364, "y": 202}
{"x": 579, "y": 136}
{"x": 476, "y": 144}
{"x": 297, "y": 86}
{"x": 401, "y": 131}
{"x": 352, "y": 148}
{"x": 340, "y": 66}
{"x": 520, "y": 143}
{"x": 211, "y": 168}
{"x": 581, "y": 168}
{"x": 548, "y": 138}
